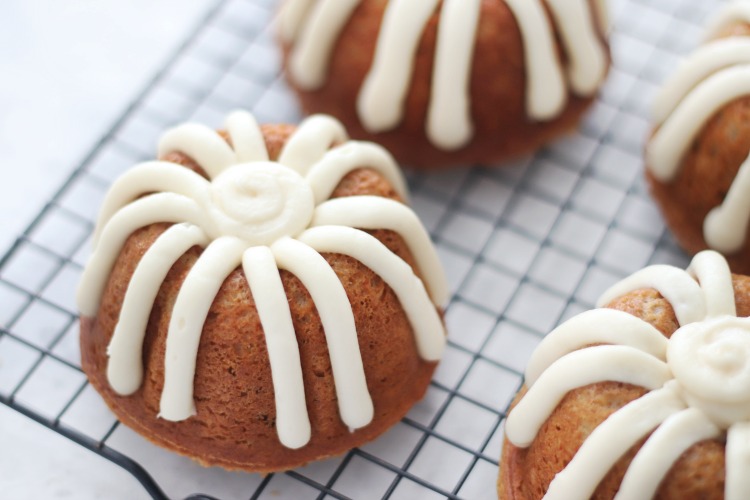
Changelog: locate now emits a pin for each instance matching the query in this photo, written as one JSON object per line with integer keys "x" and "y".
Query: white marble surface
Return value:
{"x": 67, "y": 71}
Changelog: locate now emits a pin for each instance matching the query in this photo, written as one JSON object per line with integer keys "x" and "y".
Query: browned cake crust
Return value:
{"x": 502, "y": 129}
{"x": 525, "y": 474}
{"x": 234, "y": 395}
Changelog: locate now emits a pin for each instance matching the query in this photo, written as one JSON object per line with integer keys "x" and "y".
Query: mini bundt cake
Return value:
{"x": 648, "y": 397}
{"x": 261, "y": 297}
{"x": 451, "y": 82}
{"x": 697, "y": 163}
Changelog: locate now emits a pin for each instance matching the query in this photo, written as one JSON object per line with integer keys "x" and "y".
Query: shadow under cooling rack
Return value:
{"x": 524, "y": 247}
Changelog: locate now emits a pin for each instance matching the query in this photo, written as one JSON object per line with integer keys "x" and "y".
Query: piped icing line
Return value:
{"x": 606, "y": 362}
{"x": 661, "y": 450}
{"x": 381, "y": 100}
{"x": 731, "y": 13}
{"x": 292, "y": 421}
{"x": 737, "y": 461}
{"x": 246, "y": 137}
{"x": 311, "y": 141}
{"x": 145, "y": 178}
{"x": 700, "y": 65}
{"x": 292, "y": 16}
{"x": 375, "y": 212}
{"x": 602, "y": 15}
{"x": 672, "y": 283}
{"x": 672, "y": 139}
{"x": 161, "y": 207}
{"x": 449, "y": 124}
{"x": 326, "y": 174}
{"x": 425, "y": 321}
{"x": 197, "y": 293}
{"x": 310, "y": 59}
{"x": 712, "y": 272}
{"x": 200, "y": 143}
{"x": 585, "y": 329}
{"x": 125, "y": 365}
{"x": 546, "y": 94}
{"x": 328, "y": 295}
{"x": 610, "y": 440}
{"x": 587, "y": 63}
{"x": 725, "y": 226}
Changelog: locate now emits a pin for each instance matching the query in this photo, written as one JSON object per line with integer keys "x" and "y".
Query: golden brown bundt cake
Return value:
{"x": 697, "y": 162}
{"x": 451, "y": 82}
{"x": 646, "y": 397}
{"x": 273, "y": 303}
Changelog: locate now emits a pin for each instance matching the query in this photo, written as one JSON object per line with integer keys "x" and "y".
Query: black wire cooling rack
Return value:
{"x": 525, "y": 247}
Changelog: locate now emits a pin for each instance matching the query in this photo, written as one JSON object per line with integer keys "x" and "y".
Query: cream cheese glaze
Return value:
{"x": 712, "y": 77}
{"x": 312, "y": 28}
{"x": 698, "y": 382}
{"x": 261, "y": 216}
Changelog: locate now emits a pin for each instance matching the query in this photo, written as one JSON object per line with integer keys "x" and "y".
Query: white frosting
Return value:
{"x": 248, "y": 214}
{"x": 313, "y": 32}
{"x": 607, "y": 362}
{"x": 673, "y": 284}
{"x": 714, "y": 76}
{"x": 395, "y": 273}
{"x": 662, "y": 449}
{"x": 609, "y": 441}
{"x": 261, "y": 271}
{"x": 706, "y": 369}
{"x": 736, "y": 11}
{"x": 449, "y": 114}
{"x": 221, "y": 257}
{"x": 381, "y": 100}
{"x": 374, "y": 212}
{"x": 725, "y": 226}
{"x": 625, "y": 330}
{"x": 125, "y": 367}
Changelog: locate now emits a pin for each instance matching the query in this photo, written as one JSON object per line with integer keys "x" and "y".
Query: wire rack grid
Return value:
{"x": 524, "y": 247}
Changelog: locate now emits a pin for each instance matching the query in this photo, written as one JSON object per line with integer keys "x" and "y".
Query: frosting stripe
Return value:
{"x": 292, "y": 16}
{"x": 125, "y": 365}
{"x": 309, "y": 62}
{"x": 545, "y": 88}
{"x": 673, "y": 284}
{"x": 162, "y": 207}
{"x": 609, "y": 441}
{"x": 247, "y": 139}
{"x": 586, "y": 329}
{"x": 725, "y": 226}
{"x": 149, "y": 177}
{"x": 428, "y": 328}
{"x": 615, "y": 363}
{"x": 189, "y": 313}
{"x": 734, "y": 12}
{"x": 375, "y": 212}
{"x": 292, "y": 422}
{"x": 329, "y": 297}
{"x": 202, "y": 144}
{"x": 715, "y": 279}
{"x": 381, "y": 99}
{"x": 449, "y": 123}
{"x": 669, "y": 143}
{"x": 326, "y": 174}
{"x": 705, "y": 61}
{"x": 588, "y": 62}
{"x": 661, "y": 450}
{"x": 310, "y": 142}
{"x": 738, "y": 461}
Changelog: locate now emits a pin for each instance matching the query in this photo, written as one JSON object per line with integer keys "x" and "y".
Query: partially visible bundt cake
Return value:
{"x": 451, "y": 82}
{"x": 646, "y": 398}
{"x": 261, "y": 297}
{"x": 697, "y": 159}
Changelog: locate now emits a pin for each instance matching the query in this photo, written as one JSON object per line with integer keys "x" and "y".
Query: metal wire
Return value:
{"x": 525, "y": 247}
